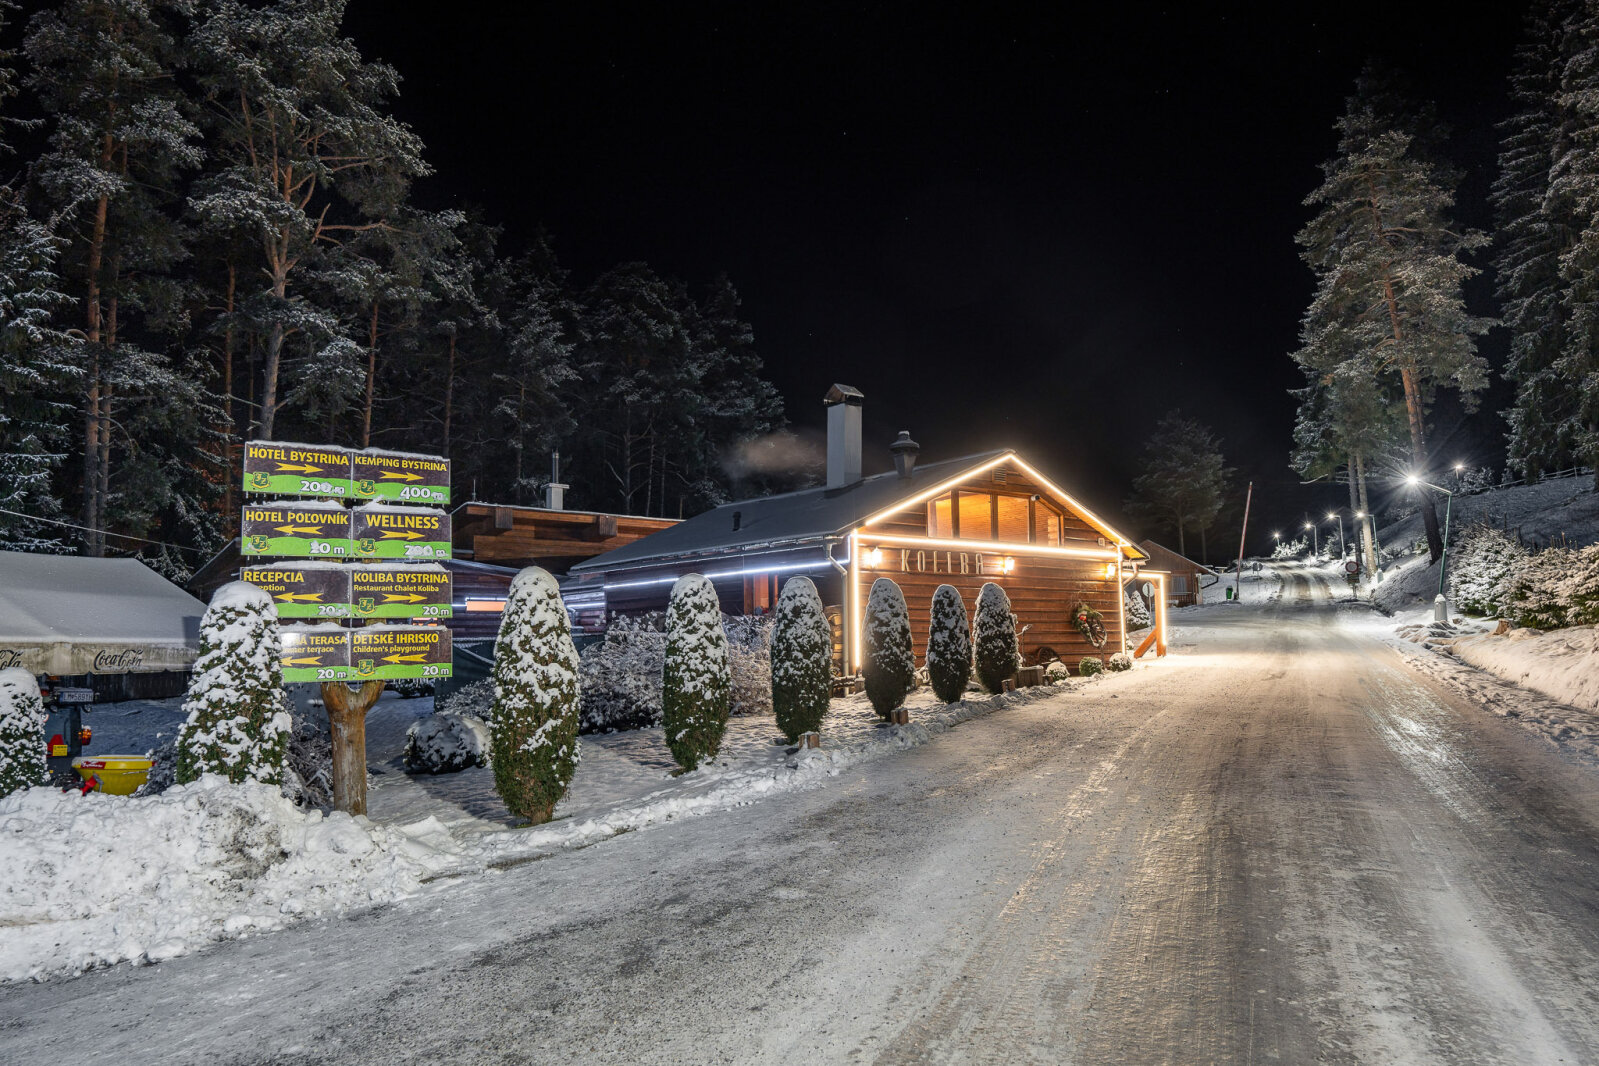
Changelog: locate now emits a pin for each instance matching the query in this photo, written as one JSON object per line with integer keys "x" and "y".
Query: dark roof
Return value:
{"x": 792, "y": 517}
{"x": 1158, "y": 546}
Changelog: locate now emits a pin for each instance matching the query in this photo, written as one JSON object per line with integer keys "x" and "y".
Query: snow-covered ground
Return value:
{"x": 102, "y": 879}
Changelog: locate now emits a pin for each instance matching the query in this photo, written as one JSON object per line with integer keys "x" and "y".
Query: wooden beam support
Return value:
{"x": 347, "y": 719}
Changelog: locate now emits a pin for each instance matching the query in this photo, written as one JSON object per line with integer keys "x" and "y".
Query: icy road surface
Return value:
{"x": 1277, "y": 845}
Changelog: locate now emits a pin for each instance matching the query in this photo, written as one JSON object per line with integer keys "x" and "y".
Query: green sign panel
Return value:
{"x": 400, "y": 591}
{"x": 301, "y": 531}
{"x": 400, "y": 477}
{"x": 314, "y": 653}
{"x": 386, "y": 653}
{"x": 297, "y": 470}
{"x": 304, "y": 590}
{"x": 405, "y": 533}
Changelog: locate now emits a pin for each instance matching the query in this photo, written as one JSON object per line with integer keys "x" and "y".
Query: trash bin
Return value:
{"x": 1229, "y": 592}
{"x": 120, "y": 775}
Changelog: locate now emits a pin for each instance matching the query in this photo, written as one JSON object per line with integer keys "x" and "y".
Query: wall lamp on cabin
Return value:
{"x": 873, "y": 557}
{"x": 1111, "y": 569}
{"x": 1007, "y": 565}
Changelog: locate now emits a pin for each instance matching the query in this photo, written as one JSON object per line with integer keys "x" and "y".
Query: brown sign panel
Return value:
{"x": 401, "y": 533}
{"x": 383, "y": 653}
{"x": 295, "y": 530}
{"x": 400, "y": 477}
{"x": 417, "y": 590}
{"x": 314, "y": 653}
{"x": 304, "y": 590}
{"x": 296, "y": 470}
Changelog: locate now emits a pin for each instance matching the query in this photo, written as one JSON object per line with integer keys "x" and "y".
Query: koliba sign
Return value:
{"x": 400, "y": 533}
{"x": 305, "y": 590}
{"x": 318, "y": 470}
{"x": 314, "y": 653}
{"x": 401, "y": 478}
{"x": 296, "y": 470}
{"x": 387, "y": 653}
{"x": 400, "y": 592}
{"x": 301, "y": 531}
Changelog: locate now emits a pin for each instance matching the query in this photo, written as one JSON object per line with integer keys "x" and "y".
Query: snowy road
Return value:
{"x": 1277, "y": 845}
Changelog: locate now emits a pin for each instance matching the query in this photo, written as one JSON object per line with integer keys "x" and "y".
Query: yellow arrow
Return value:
{"x": 303, "y": 597}
{"x": 304, "y": 468}
{"x": 310, "y": 531}
{"x": 409, "y": 597}
{"x": 315, "y": 660}
{"x": 418, "y": 658}
{"x": 401, "y": 476}
{"x": 391, "y": 534}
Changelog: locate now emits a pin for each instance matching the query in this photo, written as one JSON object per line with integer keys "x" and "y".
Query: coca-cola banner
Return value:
{"x": 88, "y": 658}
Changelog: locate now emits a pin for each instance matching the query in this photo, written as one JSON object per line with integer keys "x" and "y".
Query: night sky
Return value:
{"x": 1005, "y": 228}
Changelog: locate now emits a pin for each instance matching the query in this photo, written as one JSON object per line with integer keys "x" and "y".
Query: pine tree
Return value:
{"x": 1137, "y": 610}
{"x": 1479, "y": 566}
{"x": 119, "y": 139}
{"x": 802, "y": 659}
{"x": 237, "y": 726}
{"x": 22, "y": 722}
{"x": 533, "y": 407}
{"x": 697, "y": 685}
{"x": 1388, "y": 260}
{"x": 1532, "y": 237}
{"x": 997, "y": 653}
{"x": 1183, "y": 479}
{"x": 535, "y": 721}
{"x": 890, "y": 666}
{"x": 304, "y": 157}
{"x": 949, "y": 645}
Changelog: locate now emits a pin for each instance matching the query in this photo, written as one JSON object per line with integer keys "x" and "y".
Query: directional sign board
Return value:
{"x": 296, "y": 530}
{"x": 417, "y": 590}
{"x": 297, "y": 470}
{"x": 400, "y": 477}
{"x": 304, "y": 590}
{"x": 386, "y": 653}
{"x": 418, "y": 533}
{"x": 314, "y": 653}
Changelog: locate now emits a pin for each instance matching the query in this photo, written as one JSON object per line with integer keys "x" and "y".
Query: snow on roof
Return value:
{"x": 67, "y": 614}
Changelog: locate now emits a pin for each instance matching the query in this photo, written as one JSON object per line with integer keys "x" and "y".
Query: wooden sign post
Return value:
{"x": 347, "y": 719}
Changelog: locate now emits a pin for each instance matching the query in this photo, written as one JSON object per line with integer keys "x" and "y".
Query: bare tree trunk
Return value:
{"x": 1368, "y": 525}
{"x": 449, "y": 394}
{"x": 275, "y": 339}
{"x": 230, "y": 424}
{"x": 371, "y": 376}
{"x": 347, "y": 719}
{"x": 93, "y": 426}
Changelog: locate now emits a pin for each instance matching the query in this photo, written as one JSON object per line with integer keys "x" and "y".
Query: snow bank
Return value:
{"x": 98, "y": 879}
{"x": 1563, "y": 664}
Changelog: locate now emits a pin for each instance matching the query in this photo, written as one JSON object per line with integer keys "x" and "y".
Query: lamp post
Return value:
{"x": 1343, "y": 548}
{"x": 1440, "y": 606}
{"x": 1315, "y": 550}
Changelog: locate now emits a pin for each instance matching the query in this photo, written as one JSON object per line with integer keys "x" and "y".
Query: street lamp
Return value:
{"x": 1315, "y": 551}
{"x": 1440, "y": 611}
{"x": 1343, "y": 548}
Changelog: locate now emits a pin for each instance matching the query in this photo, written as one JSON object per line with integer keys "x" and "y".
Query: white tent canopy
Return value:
{"x": 65, "y": 614}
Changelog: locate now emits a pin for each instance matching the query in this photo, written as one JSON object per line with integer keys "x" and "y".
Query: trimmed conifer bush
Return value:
{"x": 533, "y": 729}
{"x": 22, "y": 721}
{"x": 1088, "y": 666}
{"x": 1137, "y": 610}
{"x": 237, "y": 725}
{"x": 802, "y": 659}
{"x": 697, "y": 683}
{"x": 997, "y": 653}
{"x": 890, "y": 666}
{"x": 949, "y": 645}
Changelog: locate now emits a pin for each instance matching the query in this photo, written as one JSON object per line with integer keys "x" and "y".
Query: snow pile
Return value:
{"x": 1563, "y": 665}
{"x": 22, "y": 721}
{"x": 97, "y": 879}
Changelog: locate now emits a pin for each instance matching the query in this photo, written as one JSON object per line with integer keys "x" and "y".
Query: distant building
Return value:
{"x": 1185, "y": 587}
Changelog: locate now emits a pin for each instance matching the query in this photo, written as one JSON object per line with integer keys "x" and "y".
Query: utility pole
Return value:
{"x": 1238, "y": 577}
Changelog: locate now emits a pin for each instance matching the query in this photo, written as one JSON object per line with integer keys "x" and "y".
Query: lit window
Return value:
{"x": 1012, "y": 518}
{"x": 976, "y": 516}
{"x": 939, "y": 521}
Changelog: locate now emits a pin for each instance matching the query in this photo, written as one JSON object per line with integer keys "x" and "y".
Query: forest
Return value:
{"x": 211, "y": 233}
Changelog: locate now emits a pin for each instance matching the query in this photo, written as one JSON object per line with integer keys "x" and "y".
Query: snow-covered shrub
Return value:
{"x": 1290, "y": 549}
{"x": 749, "y": 663}
{"x": 997, "y": 653}
{"x": 1475, "y": 481}
{"x": 1118, "y": 662}
{"x": 1088, "y": 666}
{"x": 890, "y": 666}
{"x": 1478, "y": 566}
{"x": 1137, "y": 610}
{"x": 446, "y": 744}
{"x": 410, "y": 688}
{"x": 1579, "y": 592}
{"x": 621, "y": 675}
{"x": 1056, "y": 671}
{"x": 696, "y": 687}
{"x": 475, "y": 699}
{"x": 802, "y": 659}
{"x": 949, "y": 645}
{"x": 1530, "y": 593}
{"x": 308, "y": 767}
{"x": 22, "y": 721}
{"x": 534, "y": 729}
{"x": 237, "y": 726}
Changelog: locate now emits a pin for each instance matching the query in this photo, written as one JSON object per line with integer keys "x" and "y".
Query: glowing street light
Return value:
{"x": 1315, "y": 549}
{"x": 1441, "y": 604}
{"x": 1343, "y": 548}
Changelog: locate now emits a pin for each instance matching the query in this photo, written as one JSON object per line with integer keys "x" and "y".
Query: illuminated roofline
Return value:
{"x": 995, "y": 547}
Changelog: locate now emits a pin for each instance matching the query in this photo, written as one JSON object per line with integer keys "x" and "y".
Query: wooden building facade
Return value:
{"x": 1186, "y": 580}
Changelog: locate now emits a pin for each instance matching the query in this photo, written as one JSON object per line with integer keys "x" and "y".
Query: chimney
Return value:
{"x": 904, "y": 450}
{"x": 555, "y": 492}
{"x": 843, "y": 436}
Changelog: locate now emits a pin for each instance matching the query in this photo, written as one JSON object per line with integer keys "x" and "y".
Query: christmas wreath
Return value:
{"x": 1091, "y": 624}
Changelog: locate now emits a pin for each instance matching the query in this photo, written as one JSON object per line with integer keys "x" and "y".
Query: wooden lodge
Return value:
{"x": 1185, "y": 584}
{"x": 963, "y": 522}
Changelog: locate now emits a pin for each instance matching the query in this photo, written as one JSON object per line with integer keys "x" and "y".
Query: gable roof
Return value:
{"x": 1154, "y": 546}
{"x": 794, "y": 518}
